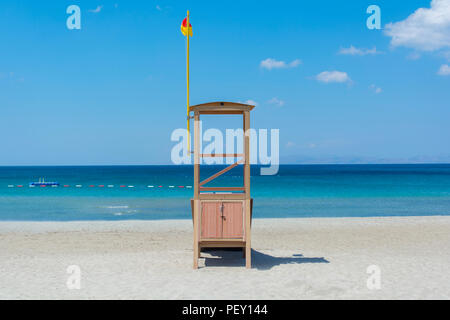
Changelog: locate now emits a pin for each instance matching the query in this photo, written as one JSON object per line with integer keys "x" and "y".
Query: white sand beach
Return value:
{"x": 323, "y": 258}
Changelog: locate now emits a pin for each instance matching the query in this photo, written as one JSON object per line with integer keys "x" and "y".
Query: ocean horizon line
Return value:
{"x": 259, "y": 165}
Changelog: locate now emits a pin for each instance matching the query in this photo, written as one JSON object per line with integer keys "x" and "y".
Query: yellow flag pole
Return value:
{"x": 187, "y": 78}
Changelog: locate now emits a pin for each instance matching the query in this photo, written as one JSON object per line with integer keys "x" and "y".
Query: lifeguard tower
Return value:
{"x": 222, "y": 215}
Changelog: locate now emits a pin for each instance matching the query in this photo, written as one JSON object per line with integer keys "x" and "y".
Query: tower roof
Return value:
{"x": 221, "y": 107}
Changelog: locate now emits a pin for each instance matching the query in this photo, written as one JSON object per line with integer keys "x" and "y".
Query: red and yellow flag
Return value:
{"x": 184, "y": 28}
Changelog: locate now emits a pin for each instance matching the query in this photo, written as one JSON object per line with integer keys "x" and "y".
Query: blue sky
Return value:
{"x": 112, "y": 92}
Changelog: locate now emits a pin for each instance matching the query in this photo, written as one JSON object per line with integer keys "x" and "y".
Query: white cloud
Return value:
{"x": 376, "y": 89}
{"x": 277, "y": 102}
{"x": 427, "y": 29}
{"x": 251, "y": 102}
{"x": 295, "y": 63}
{"x": 96, "y": 10}
{"x": 353, "y": 51}
{"x": 333, "y": 76}
{"x": 270, "y": 64}
{"x": 444, "y": 70}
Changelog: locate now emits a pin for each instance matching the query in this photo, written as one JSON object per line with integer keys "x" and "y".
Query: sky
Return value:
{"x": 112, "y": 92}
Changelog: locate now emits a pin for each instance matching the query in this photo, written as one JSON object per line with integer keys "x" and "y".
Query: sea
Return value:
{"x": 164, "y": 192}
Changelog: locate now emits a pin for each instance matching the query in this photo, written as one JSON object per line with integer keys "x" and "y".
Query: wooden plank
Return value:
{"x": 251, "y": 212}
{"x": 196, "y": 188}
{"x": 248, "y": 238}
{"x": 247, "y": 154}
{"x": 222, "y": 189}
{"x": 196, "y": 154}
{"x": 192, "y": 210}
{"x": 248, "y": 244}
{"x": 248, "y": 207}
{"x": 232, "y": 196}
{"x": 221, "y": 106}
{"x": 222, "y": 244}
{"x": 220, "y": 112}
{"x": 196, "y": 236}
{"x": 222, "y": 240}
{"x": 222, "y": 155}
{"x": 221, "y": 172}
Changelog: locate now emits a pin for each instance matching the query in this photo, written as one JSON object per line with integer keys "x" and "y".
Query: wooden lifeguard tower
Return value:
{"x": 222, "y": 215}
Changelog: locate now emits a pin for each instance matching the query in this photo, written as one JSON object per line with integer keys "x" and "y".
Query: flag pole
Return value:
{"x": 187, "y": 80}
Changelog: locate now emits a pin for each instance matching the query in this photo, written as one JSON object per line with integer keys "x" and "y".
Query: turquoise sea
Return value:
{"x": 296, "y": 191}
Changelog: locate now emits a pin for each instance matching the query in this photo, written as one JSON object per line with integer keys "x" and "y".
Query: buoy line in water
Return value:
{"x": 111, "y": 186}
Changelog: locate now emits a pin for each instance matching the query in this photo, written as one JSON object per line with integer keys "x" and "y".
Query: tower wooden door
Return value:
{"x": 211, "y": 220}
{"x": 222, "y": 220}
{"x": 232, "y": 220}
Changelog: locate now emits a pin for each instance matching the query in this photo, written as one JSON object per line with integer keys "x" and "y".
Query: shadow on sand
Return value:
{"x": 260, "y": 261}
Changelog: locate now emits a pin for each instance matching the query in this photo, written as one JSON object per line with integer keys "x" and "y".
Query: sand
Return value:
{"x": 324, "y": 258}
